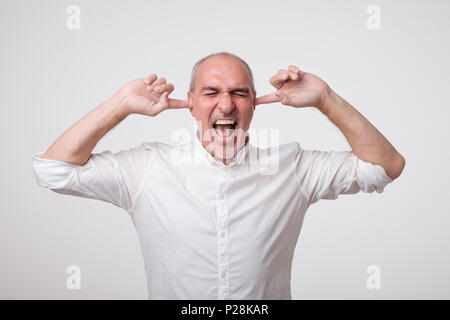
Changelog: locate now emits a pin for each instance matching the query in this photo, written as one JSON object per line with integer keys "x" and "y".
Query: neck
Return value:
{"x": 225, "y": 161}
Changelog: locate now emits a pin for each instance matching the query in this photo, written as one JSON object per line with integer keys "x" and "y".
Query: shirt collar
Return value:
{"x": 201, "y": 153}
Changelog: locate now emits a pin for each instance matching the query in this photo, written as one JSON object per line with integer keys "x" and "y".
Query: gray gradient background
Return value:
{"x": 397, "y": 76}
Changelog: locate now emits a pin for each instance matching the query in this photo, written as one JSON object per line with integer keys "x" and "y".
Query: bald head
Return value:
{"x": 222, "y": 55}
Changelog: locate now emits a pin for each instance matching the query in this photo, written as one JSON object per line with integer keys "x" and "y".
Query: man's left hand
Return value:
{"x": 296, "y": 88}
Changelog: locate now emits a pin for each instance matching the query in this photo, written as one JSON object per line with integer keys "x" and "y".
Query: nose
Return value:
{"x": 225, "y": 103}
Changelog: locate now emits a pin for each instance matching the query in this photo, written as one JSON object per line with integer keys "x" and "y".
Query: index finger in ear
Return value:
{"x": 178, "y": 104}
{"x": 268, "y": 98}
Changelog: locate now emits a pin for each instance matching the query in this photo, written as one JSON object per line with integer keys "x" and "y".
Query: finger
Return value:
{"x": 268, "y": 98}
{"x": 278, "y": 79}
{"x": 159, "y": 81}
{"x": 178, "y": 104}
{"x": 164, "y": 87}
{"x": 294, "y": 69}
{"x": 284, "y": 74}
{"x": 293, "y": 75}
{"x": 150, "y": 78}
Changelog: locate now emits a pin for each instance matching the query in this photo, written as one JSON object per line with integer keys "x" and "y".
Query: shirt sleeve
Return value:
{"x": 327, "y": 174}
{"x": 110, "y": 177}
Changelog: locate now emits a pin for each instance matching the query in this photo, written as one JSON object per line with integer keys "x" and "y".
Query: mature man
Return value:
{"x": 211, "y": 223}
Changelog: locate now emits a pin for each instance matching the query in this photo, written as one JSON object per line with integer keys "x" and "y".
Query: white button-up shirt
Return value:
{"x": 209, "y": 230}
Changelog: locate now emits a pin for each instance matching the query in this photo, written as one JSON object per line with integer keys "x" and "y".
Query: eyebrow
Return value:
{"x": 243, "y": 90}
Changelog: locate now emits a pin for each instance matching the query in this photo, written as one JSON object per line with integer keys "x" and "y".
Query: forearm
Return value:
{"x": 76, "y": 143}
{"x": 366, "y": 141}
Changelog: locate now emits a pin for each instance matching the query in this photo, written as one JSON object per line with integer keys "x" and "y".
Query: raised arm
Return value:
{"x": 300, "y": 89}
{"x": 366, "y": 141}
{"x": 147, "y": 96}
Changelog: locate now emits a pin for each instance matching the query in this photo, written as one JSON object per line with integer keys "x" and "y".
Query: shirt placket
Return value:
{"x": 222, "y": 238}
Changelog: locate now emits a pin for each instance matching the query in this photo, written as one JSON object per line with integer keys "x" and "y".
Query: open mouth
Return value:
{"x": 224, "y": 127}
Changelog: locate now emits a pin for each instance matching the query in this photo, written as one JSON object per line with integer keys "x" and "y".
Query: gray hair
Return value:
{"x": 227, "y": 54}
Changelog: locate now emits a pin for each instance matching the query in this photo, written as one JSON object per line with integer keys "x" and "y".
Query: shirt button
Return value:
{"x": 223, "y": 274}
{"x": 222, "y": 234}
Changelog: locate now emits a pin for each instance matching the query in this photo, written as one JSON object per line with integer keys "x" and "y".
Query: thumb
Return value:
{"x": 283, "y": 97}
{"x": 164, "y": 99}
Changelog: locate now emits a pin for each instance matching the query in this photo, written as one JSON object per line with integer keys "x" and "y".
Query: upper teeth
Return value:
{"x": 224, "y": 122}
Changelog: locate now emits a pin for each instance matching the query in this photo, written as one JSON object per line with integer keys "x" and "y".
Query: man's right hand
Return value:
{"x": 149, "y": 96}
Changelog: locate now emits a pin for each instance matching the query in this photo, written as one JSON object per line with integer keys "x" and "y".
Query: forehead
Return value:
{"x": 222, "y": 72}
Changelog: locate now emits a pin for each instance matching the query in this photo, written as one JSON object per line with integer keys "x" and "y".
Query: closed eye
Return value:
{"x": 234, "y": 93}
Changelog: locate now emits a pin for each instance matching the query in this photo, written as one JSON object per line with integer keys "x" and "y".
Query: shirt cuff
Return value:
{"x": 372, "y": 177}
{"x": 51, "y": 173}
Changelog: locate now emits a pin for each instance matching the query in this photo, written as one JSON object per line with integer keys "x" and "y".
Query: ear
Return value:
{"x": 191, "y": 102}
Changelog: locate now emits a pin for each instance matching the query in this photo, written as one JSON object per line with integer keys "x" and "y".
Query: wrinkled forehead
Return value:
{"x": 222, "y": 73}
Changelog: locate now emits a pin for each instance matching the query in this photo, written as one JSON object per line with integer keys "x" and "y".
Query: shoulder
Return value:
{"x": 275, "y": 157}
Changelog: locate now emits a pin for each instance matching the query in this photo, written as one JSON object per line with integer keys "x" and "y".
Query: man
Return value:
{"x": 211, "y": 223}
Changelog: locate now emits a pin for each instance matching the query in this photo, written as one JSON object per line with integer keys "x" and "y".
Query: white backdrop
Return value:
{"x": 397, "y": 76}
